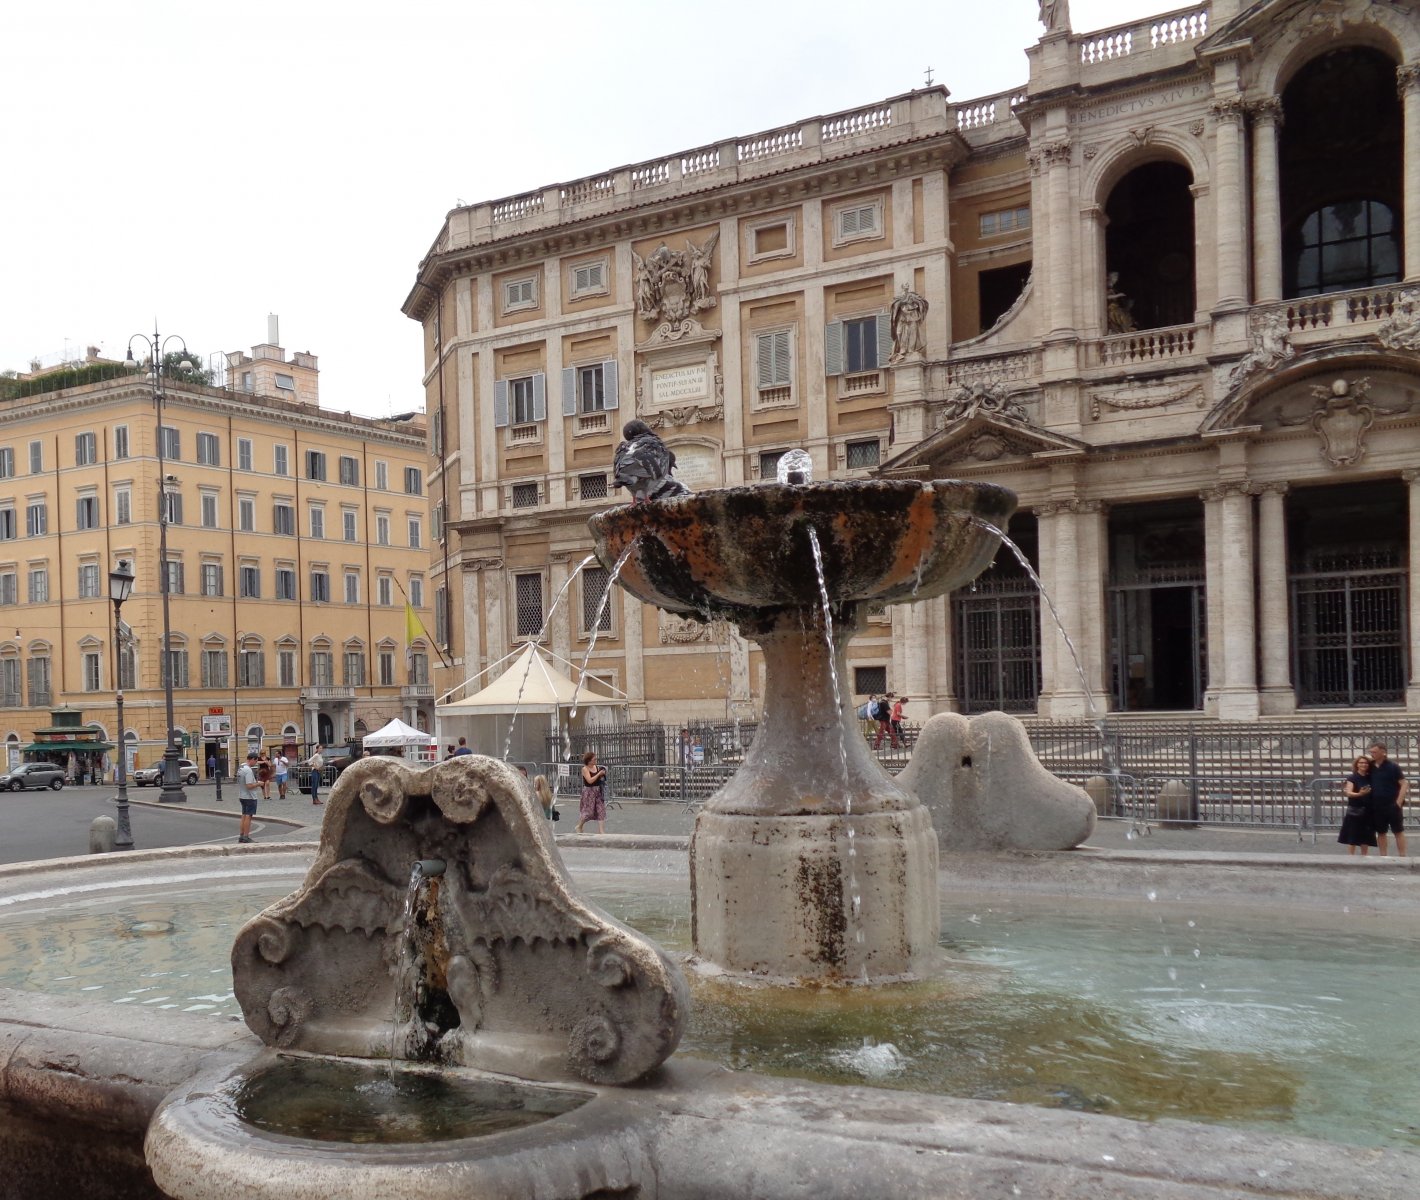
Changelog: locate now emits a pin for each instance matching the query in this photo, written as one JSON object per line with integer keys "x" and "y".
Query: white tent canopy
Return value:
{"x": 531, "y": 684}
{"x": 397, "y": 733}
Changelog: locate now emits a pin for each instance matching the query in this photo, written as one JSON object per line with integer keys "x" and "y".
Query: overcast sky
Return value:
{"x": 209, "y": 163}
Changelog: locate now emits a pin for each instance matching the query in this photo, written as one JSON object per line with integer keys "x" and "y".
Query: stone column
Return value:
{"x": 1046, "y": 516}
{"x": 632, "y": 615}
{"x": 1412, "y": 692}
{"x": 916, "y": 674}
{"x": 1266, "y": 200}
{"x": 1093, "y": 269}
{"x": 943, "y": 644}
{"x": 1407, "y": 78}
{"x": 1274, "y": 623}
{"x": 1054, "y": 161}
{"x": 1230, "y": 234}
{"x": 495, "y": 590}
{"x": 1213, "y": 597}
{"x": 1060, "y": 573}
{"x": 1237, "y": 697}
{"x": 1093, "y": 535}
{"x": 560, "y": 635}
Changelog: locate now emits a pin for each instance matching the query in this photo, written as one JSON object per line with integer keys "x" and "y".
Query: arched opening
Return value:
{"x": 12, "y": 751}
{"x": 325, "y": 729}
{"x": 1148, "y": 247}
{"x": 1340, "y": 155}
{"x": 996, "y": 622}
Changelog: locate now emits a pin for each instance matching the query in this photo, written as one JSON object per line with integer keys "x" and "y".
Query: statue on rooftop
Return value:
{"x": 1055, "y": 15}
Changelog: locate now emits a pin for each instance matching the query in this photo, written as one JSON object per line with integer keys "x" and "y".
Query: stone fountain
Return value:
{"x": 811, "y": 863}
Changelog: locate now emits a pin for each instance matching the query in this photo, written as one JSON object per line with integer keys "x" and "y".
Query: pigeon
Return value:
{"x": 643, "y": 465}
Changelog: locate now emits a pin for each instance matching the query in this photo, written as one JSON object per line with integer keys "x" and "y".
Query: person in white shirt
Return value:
{"x": 248, "y": 792}
{"x": 282, "y": 766}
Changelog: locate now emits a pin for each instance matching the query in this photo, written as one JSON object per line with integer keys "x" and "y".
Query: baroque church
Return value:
{"x": 1167, "y": 290}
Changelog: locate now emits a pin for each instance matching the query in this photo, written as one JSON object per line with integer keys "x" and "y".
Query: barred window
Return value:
{"x": 863, "y": 454}
{"x": 769, "y": 464}
{"x": 595, "y": 615}
{"x": 528, "y": 594}
{"x": 524, "y": 495}
{"x": 591, "y": 487}
{"x": 869, "y": 681}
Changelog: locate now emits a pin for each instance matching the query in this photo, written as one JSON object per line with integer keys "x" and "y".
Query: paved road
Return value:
{"x": 48, "y": 824}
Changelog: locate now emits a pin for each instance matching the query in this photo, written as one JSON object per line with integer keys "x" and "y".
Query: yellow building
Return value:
{"x": 294, "y": 537}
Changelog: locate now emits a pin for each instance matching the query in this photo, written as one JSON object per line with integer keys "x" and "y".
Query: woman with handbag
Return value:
{"x": 593, "y": 805}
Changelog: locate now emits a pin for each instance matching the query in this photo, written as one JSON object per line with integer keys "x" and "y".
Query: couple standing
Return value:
{"x": 1375, "y": 794}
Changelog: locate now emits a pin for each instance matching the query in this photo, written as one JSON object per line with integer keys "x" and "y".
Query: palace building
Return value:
{"x": 294, "y": 535}
{"x": 1167, "y": 289}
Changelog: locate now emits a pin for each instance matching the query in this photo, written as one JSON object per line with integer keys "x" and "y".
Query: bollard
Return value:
{"x": 102, "y": 831}
{"x": 650, "y": 787}
{"x": 1098, "y": 790}
{"x": 1176, "y": 805}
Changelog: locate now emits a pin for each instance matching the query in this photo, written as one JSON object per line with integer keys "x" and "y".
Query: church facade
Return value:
{"x": 1167, "y": 290}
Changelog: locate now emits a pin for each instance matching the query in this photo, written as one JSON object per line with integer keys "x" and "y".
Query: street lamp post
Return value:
{"x": 120, "y": 586}
{"x": 172, "y": 792}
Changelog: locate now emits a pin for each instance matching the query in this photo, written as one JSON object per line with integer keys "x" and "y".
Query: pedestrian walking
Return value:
{"x": 248, "y": 792}
{"x": 263, "y": 774}
{"x": 316, "y": 762}
{"x": 593, "y": 805}
{"x": 283, "y": 773}
{"x": 882, "y": 714}
{"x": 1389, "y": 788}
{"x": 898, "y": 735}
{"x": 1357, "y": 828}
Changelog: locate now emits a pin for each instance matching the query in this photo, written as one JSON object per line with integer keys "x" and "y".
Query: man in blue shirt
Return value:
{"x": 1388, "y": 790}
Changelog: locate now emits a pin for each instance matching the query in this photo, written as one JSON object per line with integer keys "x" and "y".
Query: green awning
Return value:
{"x": 41, "y": 747}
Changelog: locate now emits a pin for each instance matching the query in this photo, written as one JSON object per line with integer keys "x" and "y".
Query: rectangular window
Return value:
{"x": 863, "y": 454}
{"x": 214, "y": 669}
{"x": 1005, "y": 220}
{"x": 170, "y": 443}
{"x": 774, "y": 364}
{"x": 244, "y": 454}
{"x": 86, "y": 449}
{"x": 209, "y": 510}
{"x": 248, "y": 383}
{"x": 209, "y": 450}
{"x": 315, "y": 465}
{"x": 40, "y": 690}
{"x": 251, "y": 582}
{"x": 37, "y": 519}
{"x": 413, "y": 481}
{"x": 385, "y": 591}
{"x": 591, "y": 393}
{"x": 286, "y": 668}
{"x": 591, "y": 487}
{"x": 519, "y": 294}
{"x": 172, "y": 508}
{"x": 36, "y": 458}
{"x": 352, "y": 588}
{"x": 177, "y": 578}
{"x": 595, "y": 614}
{"x": 175, "y": 668}
{"x": 354, "y": 668}
{"x": 9, "y": 587}
{"x": 251, "y": 669}
{"x": 7, "y": 523}
{"x": 317, "y": 522}
{"x": 122, "y": 506}
{"x": 441, "y": 616}
{"x": 9, "y": 683}
{"x": 382, "y": 479}
{"x": 87, "y": 512}
{"x": 246, "y": 514}
{"x": 39, "y": 585}
{"x": 7, "y": 462}
{"x": 88, "y": 581}
{"x": 382, "y": 529}
{"x": 527, "y": 591}
{"x": 523, "y": 396}
{"x": 280, "y": 460}
{"x": 285, "y": 583}
{"x": 856, "y": 221}
{"x": 524, "y": 495}
{"x": 769, "y": 464}
{"x": 283, "y": 519}
{"x": 120, "y": 441}
{"x": 347, "y": 521}
{"x": 211, "y": 579}
{"x": 436, "y": 433}
{"x": 416, "y": 591}
{"x": 860, "y": 344}
{"x": 127, "y": 668}
{"x": 588, "y": 279}
{"x": 416, "y": 533}
{"x": 437, "y": 520}
{"x": 93, "y": 672}
{"x": 869, "y": 681}
{"x": 419, "y": 669}
{"x": 322, "y": 669}
{"x": 349, "y": 470}
{"x": 320, "y": 587}
{"x": 387, "y": 668}
{"x": 285, "y": 383}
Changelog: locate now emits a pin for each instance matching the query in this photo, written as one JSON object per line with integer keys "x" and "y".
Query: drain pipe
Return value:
{"x": 429, "y": 868}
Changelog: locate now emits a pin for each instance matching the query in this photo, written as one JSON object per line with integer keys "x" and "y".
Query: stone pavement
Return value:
{"x": 296, "y": 819}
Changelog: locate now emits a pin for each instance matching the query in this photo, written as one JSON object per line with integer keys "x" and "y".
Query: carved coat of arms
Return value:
{"x": 673, "y": 285}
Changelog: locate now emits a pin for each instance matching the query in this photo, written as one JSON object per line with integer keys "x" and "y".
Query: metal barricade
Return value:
{"x": 1250, "y": 800}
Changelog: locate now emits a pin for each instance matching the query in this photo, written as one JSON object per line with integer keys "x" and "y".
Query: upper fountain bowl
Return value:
{"x": 748, "y": 547}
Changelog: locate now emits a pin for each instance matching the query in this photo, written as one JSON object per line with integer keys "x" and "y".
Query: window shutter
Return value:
{"x": 609, "y": 384}
{"x": 764, "y": 354}
{"x": 539, "y": 397}
{"x": 833, "y": 348}
{"x": 884, "y": 339}
{"x": 500, "y": 403}
{"x": 569, "y": 391}
{"x": 783, "y": 370}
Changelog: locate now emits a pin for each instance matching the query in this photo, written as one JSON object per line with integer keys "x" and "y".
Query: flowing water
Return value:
{"x": 597, "y": 624}
{"x": 1227, "y": 1013}
{"x": 406, "y": 955}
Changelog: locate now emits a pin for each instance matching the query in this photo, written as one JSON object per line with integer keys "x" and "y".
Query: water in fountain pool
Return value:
{"x": 1211, "y": 1013}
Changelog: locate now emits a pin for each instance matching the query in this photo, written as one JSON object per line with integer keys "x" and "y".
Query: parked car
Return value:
{"x": 153, "y": 776}
{"x": 337, "y": 758}
{"x": 33, "y": 775}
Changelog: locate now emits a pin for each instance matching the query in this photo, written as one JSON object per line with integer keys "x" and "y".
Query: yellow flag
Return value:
{"x": 413, "y": 626}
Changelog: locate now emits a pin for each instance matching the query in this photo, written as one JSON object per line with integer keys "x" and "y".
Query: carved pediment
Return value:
{"x": 978, "y": 437}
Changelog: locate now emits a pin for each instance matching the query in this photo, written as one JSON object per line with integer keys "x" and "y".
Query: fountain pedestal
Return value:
{"x": 843, "y": 861}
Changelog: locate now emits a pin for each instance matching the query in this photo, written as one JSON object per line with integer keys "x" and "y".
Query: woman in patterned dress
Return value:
{"x": 593, "y": 806}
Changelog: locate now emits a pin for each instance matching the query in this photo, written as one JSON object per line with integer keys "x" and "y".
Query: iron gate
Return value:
{"x": 997, "y": 628}
{"x": 1350, "y": 644}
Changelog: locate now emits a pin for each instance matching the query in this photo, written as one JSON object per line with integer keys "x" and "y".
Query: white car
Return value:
{"x": 153, "y": 776}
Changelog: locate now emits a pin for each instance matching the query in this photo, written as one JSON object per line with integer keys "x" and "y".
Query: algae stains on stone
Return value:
{"x": 819, "y": 882}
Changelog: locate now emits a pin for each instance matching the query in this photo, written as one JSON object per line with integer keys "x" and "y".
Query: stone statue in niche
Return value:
{"x": 1119, "y": 308}
{"x": 1342, "y": 420}
{"x": 1271, "y": 345}
{"x": 1055, "y": 15}
{"x": 1401, "y": 330}
{"x": 673, "y": 285}
{"x": 908, "y": 318}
